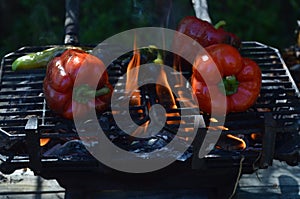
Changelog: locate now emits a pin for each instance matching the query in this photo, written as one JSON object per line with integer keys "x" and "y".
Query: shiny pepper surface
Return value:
{"x": 240, "y": 79}
{"x": 205, "y": 33}
{"x": 59, "y": 84}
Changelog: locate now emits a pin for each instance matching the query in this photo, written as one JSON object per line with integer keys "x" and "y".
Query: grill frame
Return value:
{"x": 281, "y": 120}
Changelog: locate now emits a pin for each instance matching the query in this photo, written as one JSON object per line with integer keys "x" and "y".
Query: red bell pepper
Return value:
{"x": 205, "y": 33}
{"x": 59, "y": 84}
{"x": 241, "y": 79}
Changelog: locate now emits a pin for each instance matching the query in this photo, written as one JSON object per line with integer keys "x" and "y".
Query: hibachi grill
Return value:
{"x": 35, "y": 137}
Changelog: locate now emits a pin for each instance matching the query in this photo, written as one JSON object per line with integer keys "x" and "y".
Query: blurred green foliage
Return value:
{"x": 270, "y": 22}
{"x": 36, "y": 22}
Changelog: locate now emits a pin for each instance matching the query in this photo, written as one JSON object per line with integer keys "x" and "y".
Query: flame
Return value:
{"x": 231, "y": 142}
{"x": 44, "y": 141}
{"x": 142, "y": 129}
{"x": 255, "y": 136}
{"x": 181, "y": 96}
{"x": 214, "y": 128}
{"x": 177, "y": 66}
{"x": 164, "y": 93}
{"x": 132, "y": 77}
{"x": 212, "y": 119}
{"x": 240, "y": 146}
{"x": 166, "y": 97}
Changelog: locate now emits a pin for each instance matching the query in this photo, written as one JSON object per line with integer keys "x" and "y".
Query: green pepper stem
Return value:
{"x": 229, "y": 85}
{"x": 84, "y": 93}
{"x": 220, "y": 24}
{"x": 159, "y": 59}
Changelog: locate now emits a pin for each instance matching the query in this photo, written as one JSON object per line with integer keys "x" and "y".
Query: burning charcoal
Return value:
{"x": 157, "y": 143}
{"x": 139, "y": 146}
{"x": 186, "y": 155}
{"x": 104, "y": 123}
{"x": 72, "y": 150}
{"x": 149, "y": 145}
{"x": 166, "y": 134}
{"x": 52, "y": 150}
{"x": 152, "y": 141}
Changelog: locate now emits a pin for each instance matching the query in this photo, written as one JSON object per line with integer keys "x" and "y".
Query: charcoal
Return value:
{"x": 186, "y": 155}
{"x": 104, "y": 123}
{"x": 72, "y": 150}
{"x": 147, "y": 145}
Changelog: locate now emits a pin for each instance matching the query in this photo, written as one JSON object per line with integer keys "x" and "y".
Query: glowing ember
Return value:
{"x": 255, "y": 136}
{"x": 223, "y": 128}
{"x": 44, "y": 141}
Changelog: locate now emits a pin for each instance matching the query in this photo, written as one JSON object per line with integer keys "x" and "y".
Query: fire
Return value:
{"x": 231, "y": 142}
{"x": 132, "y": 77}
{"x": 44, "y": 141}
{"x": 166, "y": 97}
{"x": 180, "y": 83}
{"x": 213, "y": 120}
{"x": 242, "y": 144}
{"x": 142, "y": 130}
{"x": 255, "y": 136}
{"x": 223, "y": 128}
{"x": 162, "y": 91}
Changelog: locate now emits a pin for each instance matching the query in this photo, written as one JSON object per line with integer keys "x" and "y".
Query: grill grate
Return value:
{"x": 21, "y": 97}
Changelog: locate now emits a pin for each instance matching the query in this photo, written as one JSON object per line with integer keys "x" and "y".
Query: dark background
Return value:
{"x": 36, "y": 22}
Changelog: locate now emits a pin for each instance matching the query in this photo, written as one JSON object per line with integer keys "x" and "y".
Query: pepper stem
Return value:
{"x": 220, "y": 24}
{"x": 159, "y": 58}
{"x": 84, "y": 93}
{"x": 230, "y": 84}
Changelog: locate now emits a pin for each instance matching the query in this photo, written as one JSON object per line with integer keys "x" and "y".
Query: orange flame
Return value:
{"x": 231, "y": 142}
{"x": 255, "y": 136}
{"x": 214, "y": 128}
{"x": 180, "y": 83}
{"x": 44, "y": 141}
{"x": 142, "y": 129}
{"x": 241, "y": 146}
{"x": 132, "y": 77}
{"x": 165, "y": 95}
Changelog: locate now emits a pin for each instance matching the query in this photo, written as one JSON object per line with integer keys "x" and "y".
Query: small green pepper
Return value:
{"x": 38, "y": 59}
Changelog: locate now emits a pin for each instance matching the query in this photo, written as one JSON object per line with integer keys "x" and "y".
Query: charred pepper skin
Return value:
{"x": 38, "y": 59}
{"x": 240, "y": 83}
{"x": 59, "y": 83}
{"x": 205, "y": 33}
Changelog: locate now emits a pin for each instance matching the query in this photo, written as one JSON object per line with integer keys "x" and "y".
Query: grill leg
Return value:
{"x": 75, "y": 194}
{"x": 227, "y": 189}
{"x": 224, "y": 192}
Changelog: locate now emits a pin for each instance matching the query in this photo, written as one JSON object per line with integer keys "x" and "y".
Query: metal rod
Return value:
{"x": 268, "y": 145}
{"x": 33, "y": 144}
{"x": 201, "y": 9}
